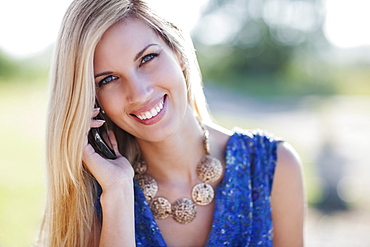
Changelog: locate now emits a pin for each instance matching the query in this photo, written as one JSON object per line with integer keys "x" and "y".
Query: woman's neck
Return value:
{"x": 176, "y": 157}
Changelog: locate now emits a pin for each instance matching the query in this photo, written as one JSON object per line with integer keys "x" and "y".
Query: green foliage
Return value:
{"x": 274, "y": 49}
{"x": 28, "y": 70}
{"x": 264, "y": 57}
{"x": 8, "y": 66}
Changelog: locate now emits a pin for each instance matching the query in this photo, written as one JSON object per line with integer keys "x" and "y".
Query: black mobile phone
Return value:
{"x": 97, "y": 142}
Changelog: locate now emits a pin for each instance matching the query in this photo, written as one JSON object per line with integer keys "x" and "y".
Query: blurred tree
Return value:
{"x": 239, "y": 39}
{"x": 30, "y": 69}
{"x": 8, "y": 66}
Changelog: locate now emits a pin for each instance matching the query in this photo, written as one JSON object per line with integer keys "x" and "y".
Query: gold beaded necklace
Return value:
{"x": 183, "y": 210}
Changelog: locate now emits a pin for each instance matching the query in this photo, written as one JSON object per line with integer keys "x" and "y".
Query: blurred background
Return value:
{"x": 296, "y": 68}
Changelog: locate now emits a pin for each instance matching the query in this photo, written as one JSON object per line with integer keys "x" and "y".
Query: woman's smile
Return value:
{"x": 140, "y": 85}
{"x": 150, "y": 114}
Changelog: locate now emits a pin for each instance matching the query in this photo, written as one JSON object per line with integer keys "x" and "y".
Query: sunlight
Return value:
{"x": 184, "y": 13}
{"x": 29, "y": 27}
{"x": 347, "y": 23}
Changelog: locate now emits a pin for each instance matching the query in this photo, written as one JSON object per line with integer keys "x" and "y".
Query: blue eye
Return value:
{"x": 148, "y": 57}
{"x": 107, "y": 80}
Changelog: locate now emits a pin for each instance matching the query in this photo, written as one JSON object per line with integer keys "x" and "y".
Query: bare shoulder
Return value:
{"x": 219, "y": 135}
{"x": 288, "y": 161}
{"x": 219, "y": 138}
{"x": 288, "y": 179}
{"x": 219, "y": 131}
{"x": 288, "y": 198}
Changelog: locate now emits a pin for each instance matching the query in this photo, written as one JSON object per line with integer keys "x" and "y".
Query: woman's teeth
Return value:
{"x": 152, "y": 113}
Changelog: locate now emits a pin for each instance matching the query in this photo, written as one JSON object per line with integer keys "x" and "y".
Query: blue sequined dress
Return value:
{"x": 242, "y": 213}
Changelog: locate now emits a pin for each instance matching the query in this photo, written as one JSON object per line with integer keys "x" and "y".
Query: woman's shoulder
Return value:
{"x": 222, "y": 135}
{"x": 266, "y": 142}
{"x": 218, "y": 139}
{"x": 219, "y": 133}
{"x": 222, "y": 139}
{"x": 243, "y": 135}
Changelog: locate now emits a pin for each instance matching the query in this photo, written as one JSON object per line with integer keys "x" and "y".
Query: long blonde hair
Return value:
{"x": 70, "y": 217}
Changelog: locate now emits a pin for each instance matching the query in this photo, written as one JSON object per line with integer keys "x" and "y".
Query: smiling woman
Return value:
{"x": 175, "y": 178}
{"x": 149, "y": 76}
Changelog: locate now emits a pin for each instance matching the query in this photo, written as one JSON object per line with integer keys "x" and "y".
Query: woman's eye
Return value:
{"x": 107, "y": 80}
{"x": 148, "y": 57}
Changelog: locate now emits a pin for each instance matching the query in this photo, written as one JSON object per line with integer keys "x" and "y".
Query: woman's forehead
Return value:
{"x": 132, "y": 33}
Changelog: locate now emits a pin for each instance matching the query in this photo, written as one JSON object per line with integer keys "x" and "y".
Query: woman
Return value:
{"x": 195, "y": 184}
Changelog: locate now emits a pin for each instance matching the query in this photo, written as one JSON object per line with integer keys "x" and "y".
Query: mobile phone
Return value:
{"x": 96, "y": 141}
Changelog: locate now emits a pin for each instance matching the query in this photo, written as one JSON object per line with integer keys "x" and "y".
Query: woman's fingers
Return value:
{"x": 114, "y": 143}
{"x": 96, "y": 164}
{"x": 96, "y": 123}
{"x": 95, "y": 112}
{"x": 109, "y": 173}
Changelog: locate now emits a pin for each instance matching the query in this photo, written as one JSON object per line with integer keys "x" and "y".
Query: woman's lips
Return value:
{"x": 152, "y": 112}
{"x": 149, "y": 115}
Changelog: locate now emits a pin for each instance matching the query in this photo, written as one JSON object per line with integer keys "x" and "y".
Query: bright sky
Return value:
{"x": 347, "y": 22}
{"x": 28, "y": 27}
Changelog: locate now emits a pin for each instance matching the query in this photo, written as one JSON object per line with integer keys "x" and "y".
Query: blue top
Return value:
{"x": 243, "y": 212}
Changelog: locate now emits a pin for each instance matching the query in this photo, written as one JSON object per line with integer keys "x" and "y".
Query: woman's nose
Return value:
{"x": 139, "y": 89}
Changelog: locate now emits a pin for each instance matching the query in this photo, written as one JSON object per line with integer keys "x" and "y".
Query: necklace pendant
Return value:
{"x": 209, "y": 169}
{"x": 184, "y": 211}
{"x": 140, "y": 167}
{"x": 202, "y": 194}
{"x": 161, "y": 208}
{"x": 148, "y": 185}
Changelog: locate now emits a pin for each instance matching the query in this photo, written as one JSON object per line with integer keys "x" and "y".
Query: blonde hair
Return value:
{"x": 70, "y": 218}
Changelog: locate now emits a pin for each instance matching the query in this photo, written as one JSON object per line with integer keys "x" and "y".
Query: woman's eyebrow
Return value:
{"x": 140, "y": 53}
{"x": 103, "y": 73}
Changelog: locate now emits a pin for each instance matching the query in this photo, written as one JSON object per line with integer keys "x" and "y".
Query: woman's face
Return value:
{"x": 140, "y": 82}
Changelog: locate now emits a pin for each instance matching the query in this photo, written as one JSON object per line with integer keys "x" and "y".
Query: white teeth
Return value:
{"x": 152, "y": 112}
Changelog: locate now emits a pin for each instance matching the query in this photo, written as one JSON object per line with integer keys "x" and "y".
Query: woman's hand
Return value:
{"x": 117, "y": 199}
{"x": 109, "y": 173}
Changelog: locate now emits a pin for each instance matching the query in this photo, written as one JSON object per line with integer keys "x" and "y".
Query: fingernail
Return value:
{"x": 100, "y": 121}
